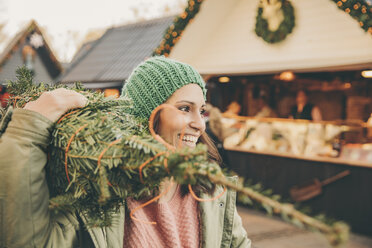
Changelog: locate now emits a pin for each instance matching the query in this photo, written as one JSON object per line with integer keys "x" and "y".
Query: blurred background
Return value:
{"x": 69, "y": 24}
{"x": 289, "y": 83}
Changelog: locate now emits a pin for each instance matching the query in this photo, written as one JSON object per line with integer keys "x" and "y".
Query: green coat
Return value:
{"x": 26, "y": 221}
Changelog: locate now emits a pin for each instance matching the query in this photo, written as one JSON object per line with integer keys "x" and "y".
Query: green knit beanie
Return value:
{"x": 153, "y": 81}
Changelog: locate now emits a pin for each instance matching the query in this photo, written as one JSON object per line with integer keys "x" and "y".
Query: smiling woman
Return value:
{"x": 156, "y": 81}
{"x": 177, "y": 219}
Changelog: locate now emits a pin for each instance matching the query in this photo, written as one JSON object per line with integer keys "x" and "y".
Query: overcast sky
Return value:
{"x": 67, "y": 22}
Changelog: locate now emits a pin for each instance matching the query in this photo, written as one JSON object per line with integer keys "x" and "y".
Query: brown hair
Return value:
{"x": 213, "y": 155}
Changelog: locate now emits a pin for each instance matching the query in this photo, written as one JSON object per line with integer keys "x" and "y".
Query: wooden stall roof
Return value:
{"x": 221, "y": 40}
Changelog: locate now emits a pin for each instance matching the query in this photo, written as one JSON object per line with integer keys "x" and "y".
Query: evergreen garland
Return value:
{"x": 174, "y": 31}
{"x": 95, "y": 154}
{"x": 100, "y": 155}
{"x": 284, "y": 28}
{"x": 257, "y": 187}
{"x": 360, "y": 10}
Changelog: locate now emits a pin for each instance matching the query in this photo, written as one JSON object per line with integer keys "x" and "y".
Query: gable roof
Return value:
{"x": 45, "y": 52}
{"x": 81, "y": 52}
{"x": 108, "y": 61}
{"x": 221, "y": 40}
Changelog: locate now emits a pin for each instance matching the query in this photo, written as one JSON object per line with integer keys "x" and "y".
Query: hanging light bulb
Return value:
{"x": 224, "y": 79}
{"x": 367, "y": 74}
{"x": 286, "y": 76}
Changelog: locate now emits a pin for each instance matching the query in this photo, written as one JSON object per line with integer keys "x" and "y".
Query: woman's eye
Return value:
{"x": 202, "y": 112}
{"x": 184, "y": 108}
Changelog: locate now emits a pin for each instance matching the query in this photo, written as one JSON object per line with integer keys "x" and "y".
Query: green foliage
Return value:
{"x": 284, "y": 28}
{"x": 257, "y": 187}
{"x": 339, "y": 235}
{"x": 103, "y": 176}
{"x": 174, "y": 31}
{"x": 23, "y": 84}
{"x": 360, "y": 10}
{"x": 24, "y": 90}
{"x": 95, "y": 156}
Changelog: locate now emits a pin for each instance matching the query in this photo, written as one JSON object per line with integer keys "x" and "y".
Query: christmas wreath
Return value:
{"x": 283, "y": 11}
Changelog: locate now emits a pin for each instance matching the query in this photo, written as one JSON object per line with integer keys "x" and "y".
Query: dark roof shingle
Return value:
{"x": 114, "y": 56}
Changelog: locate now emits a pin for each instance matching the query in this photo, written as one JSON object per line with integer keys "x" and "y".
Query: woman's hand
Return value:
{"x": 53, "y": 104}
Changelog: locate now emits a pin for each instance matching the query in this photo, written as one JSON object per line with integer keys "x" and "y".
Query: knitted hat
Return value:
{"x": 155, "y": 80}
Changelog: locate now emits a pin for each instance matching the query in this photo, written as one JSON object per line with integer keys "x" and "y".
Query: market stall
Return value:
{"x": 330, "y": 175}
{"x": 266, "y": 51}
{"x": 322, "y": 46}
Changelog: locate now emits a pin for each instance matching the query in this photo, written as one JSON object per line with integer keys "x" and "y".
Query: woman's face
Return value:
{"x": 188, "y": 115}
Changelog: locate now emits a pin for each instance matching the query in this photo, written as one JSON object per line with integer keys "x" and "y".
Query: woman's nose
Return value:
{"x": 197, "y": 122}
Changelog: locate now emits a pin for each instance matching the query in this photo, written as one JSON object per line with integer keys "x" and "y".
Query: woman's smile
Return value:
{"x": 188, "y": 139}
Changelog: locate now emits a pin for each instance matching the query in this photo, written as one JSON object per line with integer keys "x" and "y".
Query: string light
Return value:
{"x": 286, "y": 76}
{"x": 174, "y": 32}
{"x": 224, "y": 79}
{"x": 358, "y": 10}
{"x": 367, "y": 74}
{"x": 347, "y": 85}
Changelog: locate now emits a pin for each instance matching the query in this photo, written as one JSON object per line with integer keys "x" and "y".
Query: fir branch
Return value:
{"x": 337, "y": 234}
{"x": 96, "y": 153}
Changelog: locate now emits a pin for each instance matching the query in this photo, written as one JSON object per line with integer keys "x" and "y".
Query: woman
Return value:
{"x": 181, "y": 220}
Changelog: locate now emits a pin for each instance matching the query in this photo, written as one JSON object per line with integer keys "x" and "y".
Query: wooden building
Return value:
{"x": 29, "y": 48}
{"x": 325, "y": 46}
{"x": 326, "y": 51}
